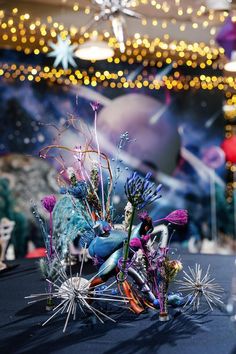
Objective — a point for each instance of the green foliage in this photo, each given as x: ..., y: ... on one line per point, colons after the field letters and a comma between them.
x: 6, y: 200
x: 51, y: 269
x: 225, y: 212
x: 7, y: 209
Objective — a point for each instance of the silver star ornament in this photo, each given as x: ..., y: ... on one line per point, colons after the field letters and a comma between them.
x: 63, y: 52
x: 116, y: 12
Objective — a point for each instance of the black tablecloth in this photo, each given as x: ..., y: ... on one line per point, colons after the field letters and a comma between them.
x: 21, y: 330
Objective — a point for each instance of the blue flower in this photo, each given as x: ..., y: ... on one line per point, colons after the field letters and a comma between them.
x: 79, y: 190
x: 63, y: 190
x: 141, y: 191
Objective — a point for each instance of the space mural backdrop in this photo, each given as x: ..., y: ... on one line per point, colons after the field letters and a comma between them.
x: 175, y: 135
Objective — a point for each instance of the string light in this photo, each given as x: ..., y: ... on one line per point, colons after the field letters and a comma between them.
x: 118, y: 79
x: 186, y: 12
x: 38, y: 34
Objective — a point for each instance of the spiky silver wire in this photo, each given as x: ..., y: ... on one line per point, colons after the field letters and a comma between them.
x: 76, y: 292
x: 200, y: 286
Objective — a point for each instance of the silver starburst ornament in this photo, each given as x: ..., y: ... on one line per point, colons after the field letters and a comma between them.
x: 63, y: 52
x: 114, y: 11
x: 198, y: 286
x: 76, y: 294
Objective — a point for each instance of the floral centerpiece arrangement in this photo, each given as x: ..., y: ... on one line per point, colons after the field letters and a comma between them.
x: 132, y: 259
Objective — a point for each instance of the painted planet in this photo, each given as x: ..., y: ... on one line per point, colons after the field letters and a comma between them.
x: 149, y: 122
x: 213, y: 157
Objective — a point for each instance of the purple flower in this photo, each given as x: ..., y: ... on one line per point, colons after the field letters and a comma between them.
x: 49, y: 202
x: 97, y: 261
x: 146, y: 238
x: 106, y: 227
x: 177, y: 217
x: 141, y: 191
x: 95, y: 106
x: 143, y: 215
x: 136, y: 243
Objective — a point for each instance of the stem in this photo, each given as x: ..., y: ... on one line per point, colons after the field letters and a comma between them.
x: 234, y: 206
x: 213, y: 207
x: 126, y: 246
x: 100, y: 165
x: 49, y: 304
x: 80, y: 164
x: 50, y: 232
x: 126, y: 253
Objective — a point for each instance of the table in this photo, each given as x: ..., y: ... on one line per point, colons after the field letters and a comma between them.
x: 21, y: 331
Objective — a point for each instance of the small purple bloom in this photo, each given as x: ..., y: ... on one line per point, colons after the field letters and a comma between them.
x: 49, y: 202
x: 135, y: 243
x: 43, y: 156
x: 95, y: 106
x: 163, y: 251
x: 143, y: 215
x: 146, y: 238
x: 106, y: 227
x: 97, y: 261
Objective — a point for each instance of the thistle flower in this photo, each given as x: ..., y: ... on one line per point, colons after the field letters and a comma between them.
x: 173, y: 267
x: 175, y: 264
x: 140, y: 191
x: 70, y: 172
x: 94, y: 178
x: 49, y: 202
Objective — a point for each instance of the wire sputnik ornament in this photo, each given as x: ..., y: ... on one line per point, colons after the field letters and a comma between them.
x: 75, y: 292
x: 200, y: 286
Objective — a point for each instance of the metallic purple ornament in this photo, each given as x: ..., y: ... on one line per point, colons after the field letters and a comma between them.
x: 226, y: 37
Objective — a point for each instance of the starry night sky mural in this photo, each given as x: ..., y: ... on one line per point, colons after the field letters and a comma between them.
x: 175, y: 134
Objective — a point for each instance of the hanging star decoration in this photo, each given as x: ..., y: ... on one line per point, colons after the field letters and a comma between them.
x: 115, y: 12
x: 200, y: 286
x: 63, y: 52
x: 75, y: 293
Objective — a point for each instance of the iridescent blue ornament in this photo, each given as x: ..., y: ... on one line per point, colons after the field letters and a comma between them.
x: 70, y: 220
